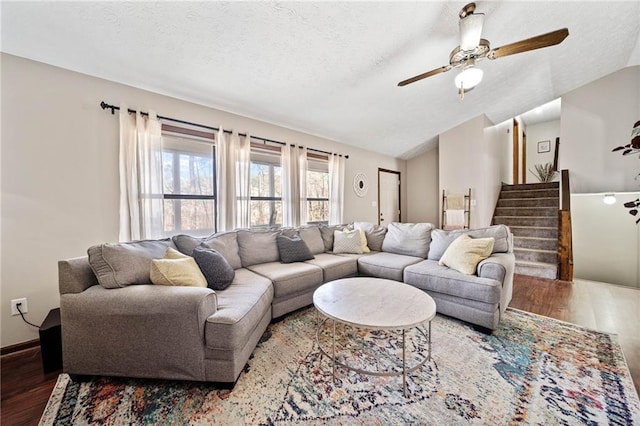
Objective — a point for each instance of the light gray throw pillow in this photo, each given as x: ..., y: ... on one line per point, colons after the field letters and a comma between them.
x: 121, y: 264
x: 347, y: 242
x: 410, y: 239
x: 257, y: 246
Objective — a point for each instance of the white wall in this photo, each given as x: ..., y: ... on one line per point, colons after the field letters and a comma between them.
x: 472, y: 155
x: 606, y: 241
x: 547, y: 131
x: 596, y: 118
x: 498, y: 157
x: 60, y: 174
x: 422, y: 189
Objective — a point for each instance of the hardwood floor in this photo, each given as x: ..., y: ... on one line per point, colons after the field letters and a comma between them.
x: 603, y: 307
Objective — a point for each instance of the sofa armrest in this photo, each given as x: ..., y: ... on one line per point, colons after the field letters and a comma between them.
x: 75, y: 275
x: 136, y: 331
x: 500, y: 267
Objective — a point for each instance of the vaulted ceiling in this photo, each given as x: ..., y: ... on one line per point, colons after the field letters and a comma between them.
x: 329, y: 68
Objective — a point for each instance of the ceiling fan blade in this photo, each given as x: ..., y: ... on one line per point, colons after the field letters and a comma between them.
x: 424, y: 75
x: 533, y: 43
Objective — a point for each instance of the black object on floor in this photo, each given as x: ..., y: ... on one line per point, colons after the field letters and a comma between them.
x: 51, y: 342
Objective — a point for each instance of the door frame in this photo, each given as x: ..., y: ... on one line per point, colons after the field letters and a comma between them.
x: 524, y: 157
x: 516, y: 152
x: 381, y: 170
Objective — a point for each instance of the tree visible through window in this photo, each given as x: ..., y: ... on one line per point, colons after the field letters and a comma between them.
x: 317, y: 192
x: 189, y: 185
x: 266, y: 194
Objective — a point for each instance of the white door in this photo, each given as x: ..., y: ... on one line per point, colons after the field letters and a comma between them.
x: 388, y: 196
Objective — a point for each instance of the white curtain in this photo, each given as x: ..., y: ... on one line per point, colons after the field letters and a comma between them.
x: 141, y: 186
x: 336, y: 189
x: 294, y: 185
x: 302, y: 174
x: 233, y: 158
x: 242, y: 153
x: 225, y: 182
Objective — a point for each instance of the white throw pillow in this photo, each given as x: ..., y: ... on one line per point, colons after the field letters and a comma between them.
x: 347, y: 242
x: 465, y: 253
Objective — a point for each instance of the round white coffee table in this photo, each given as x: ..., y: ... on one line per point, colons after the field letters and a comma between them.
x: 375, y: 304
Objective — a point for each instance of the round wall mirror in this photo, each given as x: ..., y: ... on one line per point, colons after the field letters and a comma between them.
x: 360, y: 184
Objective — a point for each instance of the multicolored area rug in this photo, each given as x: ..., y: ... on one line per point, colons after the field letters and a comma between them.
x: 532, y: 369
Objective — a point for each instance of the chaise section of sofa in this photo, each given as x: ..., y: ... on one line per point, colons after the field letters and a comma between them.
x: 136, y: 331
x: 480, y: 298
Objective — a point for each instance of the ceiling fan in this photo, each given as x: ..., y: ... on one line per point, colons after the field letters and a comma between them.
x: 473, y: 48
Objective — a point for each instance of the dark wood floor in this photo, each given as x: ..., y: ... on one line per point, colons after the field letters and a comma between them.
x: 604, y: 307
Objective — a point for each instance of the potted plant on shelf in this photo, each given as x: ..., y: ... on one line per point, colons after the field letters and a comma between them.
x: 544, y: 172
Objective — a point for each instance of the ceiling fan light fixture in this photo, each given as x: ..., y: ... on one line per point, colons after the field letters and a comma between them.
x: 468, y: 78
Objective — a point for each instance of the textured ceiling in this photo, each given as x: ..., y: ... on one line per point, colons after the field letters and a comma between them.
x: 329, y: 68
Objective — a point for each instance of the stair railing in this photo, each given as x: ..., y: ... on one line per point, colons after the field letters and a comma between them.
x: 565, y: 244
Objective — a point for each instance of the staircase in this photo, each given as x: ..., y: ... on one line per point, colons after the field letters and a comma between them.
x: 531, y: 212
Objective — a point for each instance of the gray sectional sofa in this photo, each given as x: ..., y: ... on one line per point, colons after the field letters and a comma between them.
x: 116, y: 323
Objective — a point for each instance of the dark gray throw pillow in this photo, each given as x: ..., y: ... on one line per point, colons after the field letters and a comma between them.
x: 214, y: 267
x: 293, y: 249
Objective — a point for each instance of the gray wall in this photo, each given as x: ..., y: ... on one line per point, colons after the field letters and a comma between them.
x: 423, y: 191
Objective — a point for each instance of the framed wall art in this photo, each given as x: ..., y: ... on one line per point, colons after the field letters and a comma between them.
x: 544, y: 146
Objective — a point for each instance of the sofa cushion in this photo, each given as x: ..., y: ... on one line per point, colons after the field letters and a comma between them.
x: 386, y: 265
x: 214, y: 266
x: 374, y: 234
x: 428, y: 275
x: 411, y: 239
x: 290, y: 279
x: 327, y: 235
x: 292, y: 249
x: 225, y: 243
x: 310, y: 235
x: 335, y: 267
x: 121, y: 264
x: 465, y: 253
x: 241, y: 306
x: 257, y: 246
x: 176, y: 269
x: 313, y: 238
x: 347, y: 242
x: 441, y: 239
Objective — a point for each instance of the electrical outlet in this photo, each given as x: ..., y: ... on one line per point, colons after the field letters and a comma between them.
x: 23, y: 306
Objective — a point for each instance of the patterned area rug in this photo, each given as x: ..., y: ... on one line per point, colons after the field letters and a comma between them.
x: 532, y: 369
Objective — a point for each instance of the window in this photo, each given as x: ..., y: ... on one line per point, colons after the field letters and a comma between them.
x: 265, y: 176
x: 188, y: 164
x: 317, y: 190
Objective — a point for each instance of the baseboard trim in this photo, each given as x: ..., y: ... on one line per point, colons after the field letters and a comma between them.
x: 19, y: 347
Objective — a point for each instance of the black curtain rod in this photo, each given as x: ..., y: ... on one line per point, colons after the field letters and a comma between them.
x: 113, y: 109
